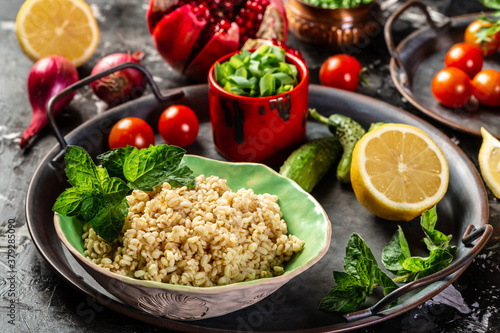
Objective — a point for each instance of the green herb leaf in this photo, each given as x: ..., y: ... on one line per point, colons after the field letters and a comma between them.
x: 434, y: 239
x: 495, y: 4
x: 80, y: 169
x: 386, y: 282
x: 438, y: 260
x: 113, y: 161
x: 108, y: 223
x: 347, y: 296
x: 147, y: 168
x: 396, y: 251
x: 68, y: 203
x: 356, y: 250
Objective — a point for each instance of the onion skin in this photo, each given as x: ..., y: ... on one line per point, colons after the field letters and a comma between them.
x: 48, y: 77
x: 121, y: 86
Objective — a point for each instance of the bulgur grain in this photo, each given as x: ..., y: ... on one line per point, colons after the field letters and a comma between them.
x: 204, y: 236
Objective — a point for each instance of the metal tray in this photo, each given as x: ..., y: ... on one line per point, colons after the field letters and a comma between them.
x: 293, y: 307
x: 420, y: 55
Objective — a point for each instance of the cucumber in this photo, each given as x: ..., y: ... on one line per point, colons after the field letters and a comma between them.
x: 311, y: 161
x: 349, y: 132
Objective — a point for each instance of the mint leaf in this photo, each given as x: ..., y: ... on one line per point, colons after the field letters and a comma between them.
x: 365, y: 269
x: 438, y: 259
x: 421, y: 267
x: 68, y: 203
x: 356, y: 250
x: 396, y: 251
x: 114, y: 189
x: 434, y: 239
x: 147, y: 168
x: 109, y: 221
x: 495, y: 4
x: 347, y: 296
x: 80, y: 169
x: 91, y: 203
x: 386, y: 282
x: 113, y: 161
x: 428, y: 219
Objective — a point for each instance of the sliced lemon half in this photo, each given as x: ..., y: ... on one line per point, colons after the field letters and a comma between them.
x: 63, y: 27
x: 398, y: 172
x: 489, y: 161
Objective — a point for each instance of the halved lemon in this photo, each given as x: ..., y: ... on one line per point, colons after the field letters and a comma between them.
x: 63, y: 27
x: 398, y: 172
x: 489, y: 161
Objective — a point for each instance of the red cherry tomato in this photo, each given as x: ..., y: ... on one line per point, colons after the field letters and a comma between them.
x: 131, y: 131
x: 340, y: 71
x: 178, y: 125
x: 452, y: 87
x: 466, y: 57
x: 470, y: 38
x: 486, y: 87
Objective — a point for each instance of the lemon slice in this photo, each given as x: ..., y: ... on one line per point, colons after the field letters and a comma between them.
x: 489, y: 161
x: 398, y: 172
x: 64, y: 27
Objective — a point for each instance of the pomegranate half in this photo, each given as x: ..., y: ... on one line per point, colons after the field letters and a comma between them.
x: 192, y: 35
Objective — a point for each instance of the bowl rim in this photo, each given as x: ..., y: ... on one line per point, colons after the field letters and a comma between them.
x: 299, y: 63
x: 281, y: 279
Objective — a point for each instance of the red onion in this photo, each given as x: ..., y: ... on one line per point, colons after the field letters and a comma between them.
x: 47, y: 77
x: 120, y: 86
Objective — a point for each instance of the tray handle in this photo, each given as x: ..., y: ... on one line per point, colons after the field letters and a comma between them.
x: 393, y: 18
x: 87, y: 80
x: 471, y: 234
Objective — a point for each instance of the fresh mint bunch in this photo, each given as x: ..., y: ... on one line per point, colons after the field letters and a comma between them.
x: 99, y: 193
x: 362, y: 273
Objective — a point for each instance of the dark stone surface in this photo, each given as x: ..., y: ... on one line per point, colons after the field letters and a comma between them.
x: 43, y: 302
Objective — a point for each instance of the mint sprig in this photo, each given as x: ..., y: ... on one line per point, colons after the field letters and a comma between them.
x: 99, y: 193
x: 362, y: 273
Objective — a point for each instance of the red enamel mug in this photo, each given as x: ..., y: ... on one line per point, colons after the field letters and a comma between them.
x: 259, y: 129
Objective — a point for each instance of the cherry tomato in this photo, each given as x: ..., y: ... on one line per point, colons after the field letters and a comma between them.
x: 470, y: 37
x: 452, y: 87
x: 131, y: 131
x: 466, y: 57
x: 486, y: 87
x: 340, y: 71
x: 178, y: 125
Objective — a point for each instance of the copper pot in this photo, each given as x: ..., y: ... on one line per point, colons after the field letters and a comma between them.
x: 334, y: 27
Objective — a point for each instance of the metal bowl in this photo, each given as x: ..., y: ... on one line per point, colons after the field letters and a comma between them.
x: 341, y: 27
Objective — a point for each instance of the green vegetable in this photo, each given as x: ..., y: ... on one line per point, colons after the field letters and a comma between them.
x: 362, y: 273
x: 263, y: 72
x: 349, y: 132
x: 311, y: 161
x: 334, y: 4
x: 485, y: 33
x: 396, y: 256
x: 99, y: 193
x: 495, y: 4
x: 361, y: 276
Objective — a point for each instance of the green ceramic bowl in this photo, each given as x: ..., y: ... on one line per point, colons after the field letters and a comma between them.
x: 305, y: 219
